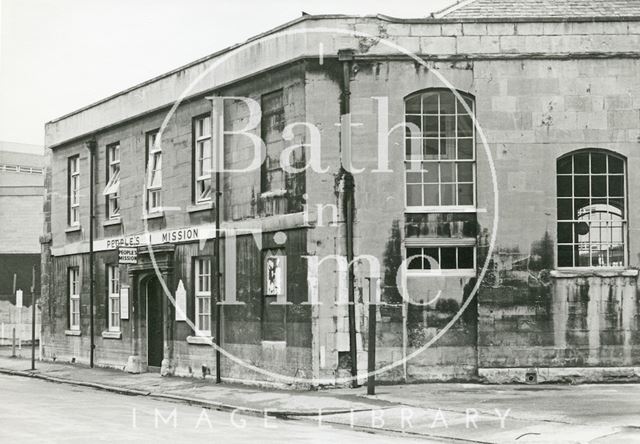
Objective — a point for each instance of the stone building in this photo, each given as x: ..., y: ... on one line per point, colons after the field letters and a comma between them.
x: 21, y: 198
x: 501, y: 217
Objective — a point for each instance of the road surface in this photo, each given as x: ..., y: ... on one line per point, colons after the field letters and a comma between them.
x: 33, y: 410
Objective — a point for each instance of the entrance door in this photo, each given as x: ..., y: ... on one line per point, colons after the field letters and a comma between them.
x: 155, y: 333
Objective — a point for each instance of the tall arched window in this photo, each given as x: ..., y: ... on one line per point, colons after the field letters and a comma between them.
x: 440, y: 152
x: 591, y: 209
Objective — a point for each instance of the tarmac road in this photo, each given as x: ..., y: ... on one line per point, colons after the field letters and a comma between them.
x: 32, y: 411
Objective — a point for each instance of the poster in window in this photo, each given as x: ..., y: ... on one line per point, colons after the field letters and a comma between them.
x: 124, y: 302
x: 274, y: 275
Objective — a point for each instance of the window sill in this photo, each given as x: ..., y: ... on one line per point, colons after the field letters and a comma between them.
x: 564, y: 273
x: 441, y: 273
x: 273, y: 193
x: 112, y: 222
x: 154, y: 215
x: 72, y: 333
x: 440, y: 241
x: 204, y: 206
x: 274, y: 343
x: 73, y: 229
x: 442, y: 209
x: 200, y: 340
x: 112, y: 334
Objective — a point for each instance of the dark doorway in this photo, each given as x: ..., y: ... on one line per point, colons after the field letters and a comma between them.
x: 155, y: 333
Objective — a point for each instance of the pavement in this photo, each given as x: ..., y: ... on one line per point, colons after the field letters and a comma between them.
x: 598, y: 413
x: 195, y: 391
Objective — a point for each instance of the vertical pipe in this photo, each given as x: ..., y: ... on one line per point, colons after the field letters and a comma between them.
x: 218, y: 277
x: 371, y: 355
x: 353, y: 351
x: 345, y: 56
x: 217, y: 155
x: 405, y: 338
x: 19, y: 324
x: 91, y: 145
x: 17, y: 310
x: 33, y: 318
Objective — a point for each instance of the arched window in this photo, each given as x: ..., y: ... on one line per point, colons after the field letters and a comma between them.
x: 591, y: 209
x: 439, y: 153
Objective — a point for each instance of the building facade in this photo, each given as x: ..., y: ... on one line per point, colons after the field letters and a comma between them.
x: 474, y: 166
x: 21, y: 199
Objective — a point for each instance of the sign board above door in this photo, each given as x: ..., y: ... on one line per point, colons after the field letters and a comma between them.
x: 128, y: 255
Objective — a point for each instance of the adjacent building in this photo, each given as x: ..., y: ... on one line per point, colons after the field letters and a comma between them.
x: 21, y: 199
x: 475, y: 166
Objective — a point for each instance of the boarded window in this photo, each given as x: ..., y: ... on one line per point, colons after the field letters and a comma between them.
x: 272, y: 123
x: 280, y: 191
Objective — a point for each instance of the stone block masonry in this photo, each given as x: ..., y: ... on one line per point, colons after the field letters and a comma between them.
x: 540, y: 91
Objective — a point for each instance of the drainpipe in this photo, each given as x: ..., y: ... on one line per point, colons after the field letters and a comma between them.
x: 345, y: 56
x: 218, y: 157
x: 91, y: 146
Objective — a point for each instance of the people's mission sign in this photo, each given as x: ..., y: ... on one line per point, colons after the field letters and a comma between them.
x: 128, y: 255
x: 188, y: 234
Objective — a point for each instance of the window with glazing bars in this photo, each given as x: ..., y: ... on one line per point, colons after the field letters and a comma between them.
x: 441, y: 258
x: 591, y: 210
x: 73, y: 197
x: 203, y: 296
x: 202, y: 160
x: 74, y: 298
x: 114, y: 297
x: 154, y: 173
x: 112, y: 189
x: 439, y: 150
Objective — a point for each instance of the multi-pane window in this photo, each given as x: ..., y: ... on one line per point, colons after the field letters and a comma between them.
x: 73, y: 197
x: 154, y: 173
x: 113, y: 282
x: 112, y: 189
x: 439, y: 154
x: 74, y: 298
x: 591, y: 210
x: 21, y: 169
x: 203, y: 296
x: 441, y: 258
x: 202, y: 164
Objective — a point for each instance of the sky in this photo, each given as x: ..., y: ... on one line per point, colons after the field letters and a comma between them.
x: 59, y: 55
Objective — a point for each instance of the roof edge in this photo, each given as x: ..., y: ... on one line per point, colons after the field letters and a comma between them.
x: 451, y: 8
x: 180, y: 68
x: 424, y: 20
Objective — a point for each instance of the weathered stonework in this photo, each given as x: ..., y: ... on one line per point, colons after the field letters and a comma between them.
x: 541, y: 90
